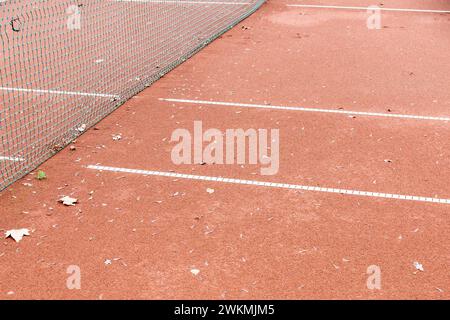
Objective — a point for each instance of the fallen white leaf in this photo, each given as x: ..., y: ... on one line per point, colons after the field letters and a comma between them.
x: 17, y: 234
x: 195, y: 271
x: 68, y: 201
x: 209, y: 190
x: 418, y: 266
x: 81, y: 128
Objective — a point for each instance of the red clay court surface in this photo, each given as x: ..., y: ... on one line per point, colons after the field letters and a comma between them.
x: 255, y: 241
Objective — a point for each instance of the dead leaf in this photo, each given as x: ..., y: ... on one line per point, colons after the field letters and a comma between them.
x: 418, y: 266
x: 82, y: 128
x: 210, y: 191
x: 17, y: 234
x: 68, y: 201
x: 195, y: 272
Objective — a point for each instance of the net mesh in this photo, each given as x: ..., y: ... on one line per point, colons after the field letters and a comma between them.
x: 66, y: 64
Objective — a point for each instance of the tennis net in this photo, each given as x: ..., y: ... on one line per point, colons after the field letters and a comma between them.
x: 66, y: 64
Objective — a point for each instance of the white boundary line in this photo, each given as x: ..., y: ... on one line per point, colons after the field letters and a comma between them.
x: 319, y: 110
x: 72, y: 93
x: 271, y: 184
x: 185, y: 2
x: 365, y: 8
x: 11, y: 159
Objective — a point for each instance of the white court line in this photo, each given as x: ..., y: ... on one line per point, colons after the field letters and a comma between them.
x: 365, y: 8
x: 347, y: 112
x: 11, y: 158
x: 185, y: 2
x: 72, y: 93
x: 271, y: 184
